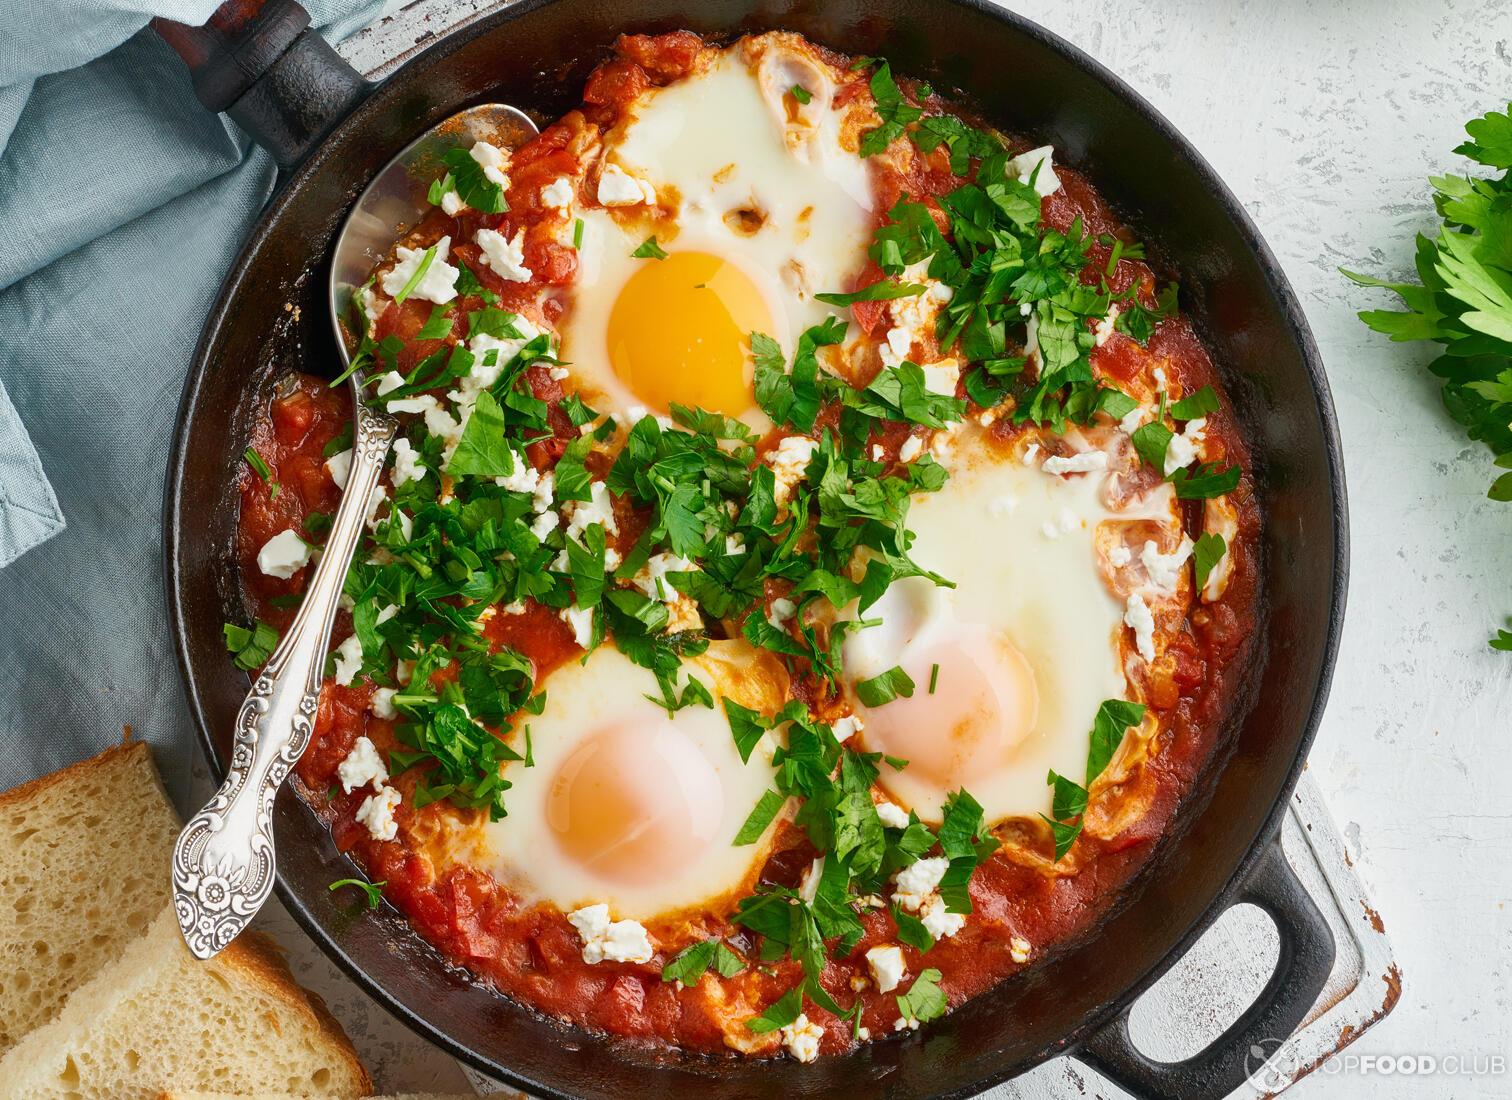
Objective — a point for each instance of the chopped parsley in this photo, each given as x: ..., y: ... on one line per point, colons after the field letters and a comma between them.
x: 649, y: 250
x: 261, y: 469
x: 250, y: 648
x: 373, y: 890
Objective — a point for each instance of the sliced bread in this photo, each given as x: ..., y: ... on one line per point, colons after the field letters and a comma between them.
x: 84, y: 869
x: 159, y: 1020
x: 292, y: 1096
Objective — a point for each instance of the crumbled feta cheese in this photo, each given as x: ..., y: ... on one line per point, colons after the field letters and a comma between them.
x: 599, y: 508
x: 505, y: 256
x: 544, y: 524
x: 899, y: 344
x: 802, y: 1038
x: 887, y: 967
x: 619, y: 188
x: 452, y: 204
x: 580, y: 619
x: 284, y: 554
x: 1023, y: 166
x: 362, y: 766
x: 382, y: 704
x: 403, y: 670
x: 486, y: 368
x: 558, y: 193
x: 941, y: 377
x: 376, y: 813
x: 407, y: 464
x: 389, y: 383
x: 938, y: 921
x: 916, y: 882
x: 545, y: 492
x: 494, y: 161
x: 909, y: 1023
x: 892, y: 815
x: 372, y: 306
x: 1018, y: 950
x: 864, y: 1034
x: 1132, y: 420
x: 1105, y: 328
x: 940, y: 292
x: 781, y: 610
x: 1120, y: 556
x: 650, y: 579
x: 1183, y: 448
x: 439, y: 284
x: 1159, y: 375
x: 524, y: 478
x: 1138, y: 618
x: 348, y: 660
x: 734, y: 545
x: 1083, y: 462
x: 1031, y: 453
x: 617, y: 941
x: 910, y: 449
x: 339, y: 466
x: 877, y: 453
x: 556, y: 374
x: 1031, y: 337
x: 846, y: 728
x: 683, y: 614
x: 789, y: 462
x: 416, y: 404
x: 1164, y: 570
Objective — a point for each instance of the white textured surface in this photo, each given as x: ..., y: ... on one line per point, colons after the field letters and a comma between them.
x: 1325, y: 117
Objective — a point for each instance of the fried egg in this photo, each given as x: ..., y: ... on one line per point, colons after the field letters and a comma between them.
x: 757, y: 206
x: 627, y: 805
x: 1028, y: 644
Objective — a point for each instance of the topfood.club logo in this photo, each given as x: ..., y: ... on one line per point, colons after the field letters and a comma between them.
x: 1270, y: 1065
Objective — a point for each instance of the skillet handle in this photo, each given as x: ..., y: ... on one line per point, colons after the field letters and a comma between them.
x: 258, y: 61
x: 1306, y: 959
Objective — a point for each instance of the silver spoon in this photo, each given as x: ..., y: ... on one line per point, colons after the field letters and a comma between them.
x: 223, y: 863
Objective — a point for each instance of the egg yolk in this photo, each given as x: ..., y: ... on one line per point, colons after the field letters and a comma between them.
x: 985, y: 702
x: 680, y: 330
x: 636, y: 803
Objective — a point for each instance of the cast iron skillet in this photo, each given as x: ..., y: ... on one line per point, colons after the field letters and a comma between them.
x: 331, y: 131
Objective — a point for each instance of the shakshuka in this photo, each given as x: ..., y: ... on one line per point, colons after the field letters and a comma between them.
x: 815, y: 561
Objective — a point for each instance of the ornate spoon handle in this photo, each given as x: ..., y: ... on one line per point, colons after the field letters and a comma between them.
x: 223, y: 861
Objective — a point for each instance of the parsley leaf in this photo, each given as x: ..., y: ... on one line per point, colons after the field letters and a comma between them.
x: 649, y: 250
x: 474, y: 187
x: 925, y: 1000
x: 1207, y: 552
x: 885, y: 687
x: 883, y: 290
x: 765, y: 811
x: 1206, y: 480
x: 250, y: 648
x: 1114, y: 717
x: 894, y: 110
x: 483, y: 450
x: 373, y: 890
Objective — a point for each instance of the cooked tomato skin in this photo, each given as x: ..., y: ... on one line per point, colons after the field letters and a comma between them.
x: 530, y: 952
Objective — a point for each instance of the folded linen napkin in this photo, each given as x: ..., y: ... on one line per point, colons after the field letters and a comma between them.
x: 122, y: 204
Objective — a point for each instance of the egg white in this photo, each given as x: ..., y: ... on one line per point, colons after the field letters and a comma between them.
x: 713, y: 144
x: 693, y: 747
x: 1023, y: 549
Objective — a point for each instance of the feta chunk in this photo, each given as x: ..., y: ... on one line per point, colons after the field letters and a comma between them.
x: 651, y: 578
x: 893, y: 816
x: 1164, y: 570
x: 544, y: 524
x: 1120, y: 556
x: 617, y: 941
x: 506, y: 257
x: 801, y: 1037
x: 362, y: 766
x: 619, y: 188
x: 339, y: 466
x: 348, y: 660
x: 1083, y: 462
x: 1137, y: 618
x: 1018, y: 950
x: 1106, y: 327
x: 557, y: 194
x: 914, y: 885
x: 495, y: 161
x: 382, y: 704
x: 887, y: 967
x: 407, y: 464
x: 1023, y: 166
x: 376, y: 814
x: 580, y: 619
x: 912, y: 446
x: 439, y: 284
x: 1183, y: 448
x: 599, y: 508
x: 284, y: 554
x: 789, y: 462
x: 938, y: 921
x: 941, y: 377
x: 846, y: 728
x: 452, y: 204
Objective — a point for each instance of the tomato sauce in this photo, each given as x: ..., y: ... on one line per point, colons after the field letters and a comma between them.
x: 530, y: 952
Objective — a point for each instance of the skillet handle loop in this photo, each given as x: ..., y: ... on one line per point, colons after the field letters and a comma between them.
x: 1240, y: 1054
x: 258, y: 62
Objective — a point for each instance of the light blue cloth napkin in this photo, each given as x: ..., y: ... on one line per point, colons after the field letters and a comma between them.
x: 122, y: 204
